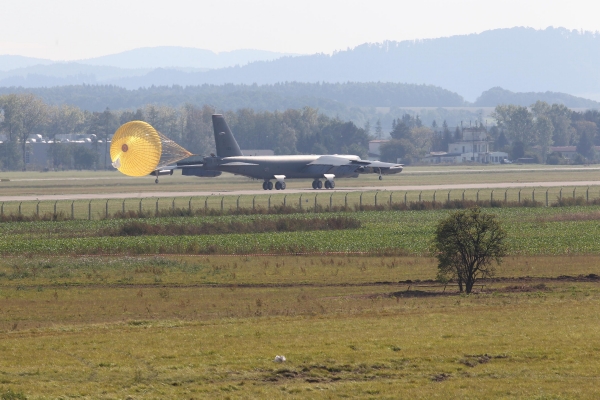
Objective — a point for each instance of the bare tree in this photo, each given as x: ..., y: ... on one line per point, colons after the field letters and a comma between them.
x: 467, y: 244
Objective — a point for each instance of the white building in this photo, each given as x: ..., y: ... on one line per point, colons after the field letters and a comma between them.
x: 473, y: 147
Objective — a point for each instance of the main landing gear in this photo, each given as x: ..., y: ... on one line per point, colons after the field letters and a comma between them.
x: 317, y: 184
x: 268, y: 185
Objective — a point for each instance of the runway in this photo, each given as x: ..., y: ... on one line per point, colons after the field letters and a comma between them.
x: 406, y: 188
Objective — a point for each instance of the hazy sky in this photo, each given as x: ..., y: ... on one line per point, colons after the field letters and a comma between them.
x: 75, y: 29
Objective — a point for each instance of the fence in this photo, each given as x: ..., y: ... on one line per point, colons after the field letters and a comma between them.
x: 310, y: 201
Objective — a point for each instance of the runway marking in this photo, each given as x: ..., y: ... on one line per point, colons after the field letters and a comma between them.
x: 411, y: 188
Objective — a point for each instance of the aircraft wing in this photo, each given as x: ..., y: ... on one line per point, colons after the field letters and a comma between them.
x: 332, y: 161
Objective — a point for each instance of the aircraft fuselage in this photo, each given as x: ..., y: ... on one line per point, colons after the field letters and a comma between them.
x: 293, y: 166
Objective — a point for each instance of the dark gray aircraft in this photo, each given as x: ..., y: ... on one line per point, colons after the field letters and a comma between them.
x: 229, y: 158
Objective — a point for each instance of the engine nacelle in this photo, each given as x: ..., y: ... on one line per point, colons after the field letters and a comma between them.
x: 162, y: 172
x: 199, y: 171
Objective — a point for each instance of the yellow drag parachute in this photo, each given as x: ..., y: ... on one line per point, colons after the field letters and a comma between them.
x: 137, y: 149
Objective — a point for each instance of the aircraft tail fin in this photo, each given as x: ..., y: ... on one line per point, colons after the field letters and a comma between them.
x: 226, y: 144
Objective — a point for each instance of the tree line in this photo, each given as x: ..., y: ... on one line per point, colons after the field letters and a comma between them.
x: 520, y: 131
x: 293, y: 131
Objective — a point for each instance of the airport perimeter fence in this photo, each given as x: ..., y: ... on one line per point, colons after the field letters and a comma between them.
x: 317, y: 201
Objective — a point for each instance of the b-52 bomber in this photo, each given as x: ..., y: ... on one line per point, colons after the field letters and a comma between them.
x: 322, y: 169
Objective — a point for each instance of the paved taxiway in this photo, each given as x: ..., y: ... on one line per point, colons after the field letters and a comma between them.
x: 340, y: 188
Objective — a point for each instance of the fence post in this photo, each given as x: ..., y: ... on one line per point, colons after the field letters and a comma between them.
x: 587, y: 195
x: 73, y: 210
x: 238, y: 203
x: 506, y: 196
x: 2, y: 209
x: 190, y: 205
x: 90, y: 210
x: 574, y: 192
x: 376, y: 193
x: 123, y: 205
x: 141, y: 205
x: 547, y: 197
x: 106, y: 214
x: 391, y: 194
x: 533, y: 196
x: 157, y: 199
x: 299, y: 202
x: 449, y: 196
x: 463, y: 195
x: 520, y: 196
x: 560, y: 195
x: 205, y: 204
x: 254, y: 198
x: 20, y: 208
x: 405, y: 198
x: 316, y: 202
x: 477, y: 197
x: 284, y: 201
x: 37, y: 208
x: 346, y: 201
x: 360, y: 200
x: 420, y: 193
x: 270, y: 202
x: 491, y: 197
x: 173, y: 204
x: 330, y: 202
x: 434, y: 195
x: 222, y: 198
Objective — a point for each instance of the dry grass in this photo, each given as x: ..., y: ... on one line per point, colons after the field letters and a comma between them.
x: 209, y: 327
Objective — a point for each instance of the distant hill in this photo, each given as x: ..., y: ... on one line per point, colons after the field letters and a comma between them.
x: 8, y: 62
x: 497, y: 95
x: 36, y: 72
x: 259, y: 97
x: 60, y: 74
x: 518, y: 59
x: 181, y: 58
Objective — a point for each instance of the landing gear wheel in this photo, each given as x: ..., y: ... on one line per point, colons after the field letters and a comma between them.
x: 282, y: 185
x: 156, y: 180
x: 319, y: 185
x: 270, y: 185
x: 265, y: 187
x: 327, y: 185
x: 314, y: 184
x: 331, y: 184
x: 278, y: 185
x: 380, y: 177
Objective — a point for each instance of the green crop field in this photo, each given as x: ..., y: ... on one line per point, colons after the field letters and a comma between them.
x: 86, y: 315
x: 531, y: 231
